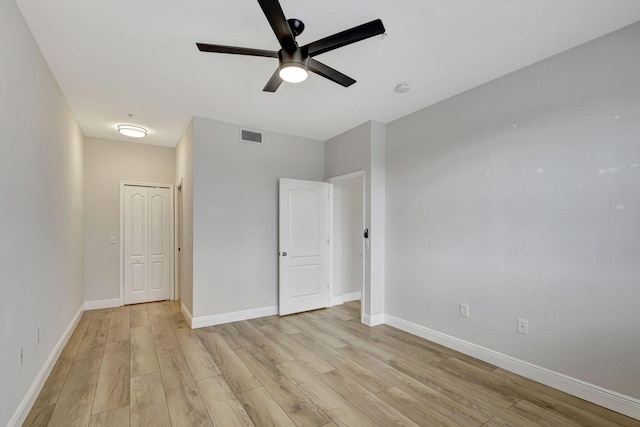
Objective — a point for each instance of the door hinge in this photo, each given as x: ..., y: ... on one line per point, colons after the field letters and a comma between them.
x: 327, y: 286
x: 327, y: 241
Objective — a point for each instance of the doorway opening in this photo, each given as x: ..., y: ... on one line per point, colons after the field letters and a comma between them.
x: 349, y: 249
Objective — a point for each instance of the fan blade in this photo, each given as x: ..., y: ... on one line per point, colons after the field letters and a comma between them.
x: 279, y: 24
x: 329, y: 73
x: 274, y: 82
x: 344, y: 38
x: 203, y: 47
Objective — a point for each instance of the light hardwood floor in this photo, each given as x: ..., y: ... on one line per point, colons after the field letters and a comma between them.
x: 141, y: 365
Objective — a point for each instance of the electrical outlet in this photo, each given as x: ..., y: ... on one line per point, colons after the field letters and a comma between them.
x: 523, y: 327
x: 38, y: 336
x: 464, y: 310
x: 240, y: 288
x: 20, y: 351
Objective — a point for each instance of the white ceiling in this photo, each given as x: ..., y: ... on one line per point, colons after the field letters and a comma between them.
x: 117, y: 57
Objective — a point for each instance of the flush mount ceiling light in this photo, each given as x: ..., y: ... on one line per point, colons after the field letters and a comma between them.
x: 132, y: 131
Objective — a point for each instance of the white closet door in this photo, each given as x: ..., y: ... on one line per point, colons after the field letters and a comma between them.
x: 159, y: 244
x: 136, y: 238
x: 147, y: 244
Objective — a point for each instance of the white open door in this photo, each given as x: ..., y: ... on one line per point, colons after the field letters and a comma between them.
x: 304, y: 245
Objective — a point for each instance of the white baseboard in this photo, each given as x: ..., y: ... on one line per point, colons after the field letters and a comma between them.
x: 187, y: 314
x: 21, y: 413
x: 356, y: 296
x: 103, y: 303
x: 235, y: 316
x: 375, y: 320
x: 600, y: 396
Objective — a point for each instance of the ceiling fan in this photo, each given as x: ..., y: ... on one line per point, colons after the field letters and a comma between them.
x: 296, y: 61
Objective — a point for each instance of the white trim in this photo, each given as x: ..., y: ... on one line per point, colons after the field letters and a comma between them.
x: 375, y: 320
x: 177, y: 215
x: 120, y: 243
x: 103, y: 303
x: 187, y: 314
x: 22, y: 411
x: 173, y: 243
x: 234, y: 316
x: 345, y: 176
x: 330, y: 243
x: 356, y: 296
x: 600, y: 396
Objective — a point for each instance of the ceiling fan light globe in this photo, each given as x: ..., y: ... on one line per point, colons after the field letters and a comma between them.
x: 293, y: 73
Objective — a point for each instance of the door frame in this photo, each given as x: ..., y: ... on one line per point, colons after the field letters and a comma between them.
x: 171, y: 233
x: 179, y: 240
x: 333, y: 180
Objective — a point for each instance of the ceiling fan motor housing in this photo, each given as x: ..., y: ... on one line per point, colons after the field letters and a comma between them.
x: 297, y: 57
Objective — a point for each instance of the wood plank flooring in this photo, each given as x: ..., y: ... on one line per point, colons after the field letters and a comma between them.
x: 141, y: 365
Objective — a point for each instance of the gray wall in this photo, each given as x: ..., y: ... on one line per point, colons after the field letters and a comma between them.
x: 521, y: 198
x: 106, y: 163
x: 184, y: 174
x: 235, y: 213
x: 41, y: 216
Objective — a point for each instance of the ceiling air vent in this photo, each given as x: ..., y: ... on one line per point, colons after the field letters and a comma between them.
x: 250, y: 136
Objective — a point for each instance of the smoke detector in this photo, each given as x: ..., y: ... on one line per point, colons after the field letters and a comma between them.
x: 403, y: 88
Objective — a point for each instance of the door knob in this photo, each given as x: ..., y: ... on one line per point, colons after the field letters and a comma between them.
x: 284, y: 254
